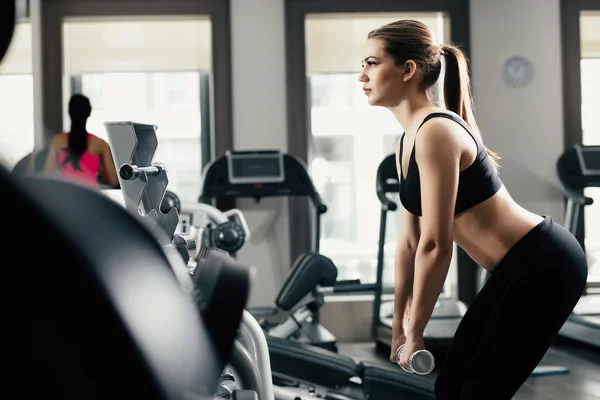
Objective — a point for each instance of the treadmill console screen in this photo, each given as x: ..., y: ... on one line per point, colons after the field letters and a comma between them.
x: 589, y: 159
x: 261, y: 166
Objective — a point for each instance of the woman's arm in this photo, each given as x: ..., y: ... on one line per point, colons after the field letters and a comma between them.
x: 404, y: 268
x: 438, y: 155
x: 51, y: 157
x: 108, y: 171
x: 404, y: 260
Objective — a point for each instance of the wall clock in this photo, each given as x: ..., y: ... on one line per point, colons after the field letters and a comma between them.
x: 518, y: 71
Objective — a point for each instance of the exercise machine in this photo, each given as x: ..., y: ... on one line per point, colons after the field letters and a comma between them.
x: 447, y: 313
x: 118, y: 277
x: 268, y: 173
x: 215, y: 281
x: 298, y: 364
x: 579, y: 168
x: 312, y: 277
x: 321, y: 371
x: 257, y: 174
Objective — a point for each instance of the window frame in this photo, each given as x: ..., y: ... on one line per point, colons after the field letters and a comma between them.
x: 301, y: 215
x: 218, y: 88
x: 570, y: 11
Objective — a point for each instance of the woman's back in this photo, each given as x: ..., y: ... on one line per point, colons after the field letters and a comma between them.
x: 78, y: 154
x: 88, y: 168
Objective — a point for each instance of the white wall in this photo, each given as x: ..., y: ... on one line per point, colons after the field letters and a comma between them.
x: 524, y: 125
x: 260, y: 122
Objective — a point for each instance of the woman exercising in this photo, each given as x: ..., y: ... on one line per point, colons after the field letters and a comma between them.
x: 451, y: 191
x: 81, y: 156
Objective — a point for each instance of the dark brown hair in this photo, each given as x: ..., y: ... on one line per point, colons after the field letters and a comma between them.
x: 79, y: 111
x: 407, y: 40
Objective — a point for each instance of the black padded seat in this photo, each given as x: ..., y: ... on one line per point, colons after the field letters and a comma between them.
x: 311, y: 363
x: 106, y: 314
x: 391, y: 382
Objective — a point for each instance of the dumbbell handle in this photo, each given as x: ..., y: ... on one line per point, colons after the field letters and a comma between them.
x: 129, y: 171
x: 426, y: 355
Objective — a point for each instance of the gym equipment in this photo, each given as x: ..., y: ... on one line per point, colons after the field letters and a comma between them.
x: 74, y: 352
x: 447, y: 313
x: 265, y: 173
x: 212, y: 228
x: 421, y: 362
x: 133, y: 147
x: 302, y: 295
x: 257, y: 174
x: 579, y: 168
x: 298, y: 364
x: 300, y: 370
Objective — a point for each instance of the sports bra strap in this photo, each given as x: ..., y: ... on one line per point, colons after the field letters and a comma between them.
x: 458, y: 121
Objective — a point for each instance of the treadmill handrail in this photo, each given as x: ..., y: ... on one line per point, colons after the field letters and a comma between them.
x: 318, y: 202
x: 576, y: 197
x: 386, y: 204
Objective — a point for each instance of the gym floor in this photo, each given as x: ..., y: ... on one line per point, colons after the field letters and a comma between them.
x: 581, y: 383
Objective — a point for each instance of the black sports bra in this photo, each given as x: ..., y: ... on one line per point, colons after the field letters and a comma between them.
x: 477, y: 183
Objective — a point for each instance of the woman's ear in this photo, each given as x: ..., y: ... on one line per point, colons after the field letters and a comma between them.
x: 409, y: 69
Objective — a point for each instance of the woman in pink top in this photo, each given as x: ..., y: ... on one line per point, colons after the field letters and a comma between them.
x: 79, y: 155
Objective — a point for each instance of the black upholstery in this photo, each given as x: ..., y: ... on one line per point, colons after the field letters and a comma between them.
x: 321, y: 367
x: 106, y: 314
x: 310, y: 363
x: 391, y: 382
x: 387, y: 182
x: 309, y: 271
x: 222, y: 292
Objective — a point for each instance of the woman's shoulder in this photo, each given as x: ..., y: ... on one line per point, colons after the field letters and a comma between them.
x: 96, y: 144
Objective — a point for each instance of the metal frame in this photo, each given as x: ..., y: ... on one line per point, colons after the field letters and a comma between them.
x: 298, y: 105
x: 570, y: 11
x: 54, y: 12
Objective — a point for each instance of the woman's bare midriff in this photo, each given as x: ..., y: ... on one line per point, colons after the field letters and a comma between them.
x: 487, y: 231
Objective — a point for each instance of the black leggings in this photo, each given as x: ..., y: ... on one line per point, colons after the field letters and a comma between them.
x: 515, y: 317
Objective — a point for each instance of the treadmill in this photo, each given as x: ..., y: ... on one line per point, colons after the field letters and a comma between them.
x: 579, y: 168
x: 447, y: 313
x: 269, y: 173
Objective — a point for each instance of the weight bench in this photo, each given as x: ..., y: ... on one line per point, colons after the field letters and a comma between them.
x: 334, y: 371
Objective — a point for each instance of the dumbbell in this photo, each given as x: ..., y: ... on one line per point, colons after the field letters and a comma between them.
x: 129, y: 171
x: 421, y: 361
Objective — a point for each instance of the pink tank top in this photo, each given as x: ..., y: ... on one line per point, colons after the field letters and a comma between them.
x: 88, y: 163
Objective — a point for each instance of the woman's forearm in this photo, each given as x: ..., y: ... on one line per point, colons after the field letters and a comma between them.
x: 404, y: 270
x: 431, y: 268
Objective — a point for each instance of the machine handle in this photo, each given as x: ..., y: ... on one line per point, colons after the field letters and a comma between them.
x: 129, y: 171
x: 348, y: 288
x: 577, y: 197
x: 316, y: 199
x: 386, y: 203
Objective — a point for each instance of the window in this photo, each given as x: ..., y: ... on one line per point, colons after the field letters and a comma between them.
x: 127, y: 79
x: 16, y: 98
x: 16, y: 114
x: 169, y: 100
x: 590, y: 104
x: 349, y: 140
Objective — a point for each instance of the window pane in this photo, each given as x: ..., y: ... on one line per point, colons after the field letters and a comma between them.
x: 349, y: 140
x: 16, y: 114
x: 169, y: 100
x: 590, y: 104
x: 16, y: 98
x: 145, y: 71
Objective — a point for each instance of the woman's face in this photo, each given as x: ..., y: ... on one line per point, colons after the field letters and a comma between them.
x: 382, y: 79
